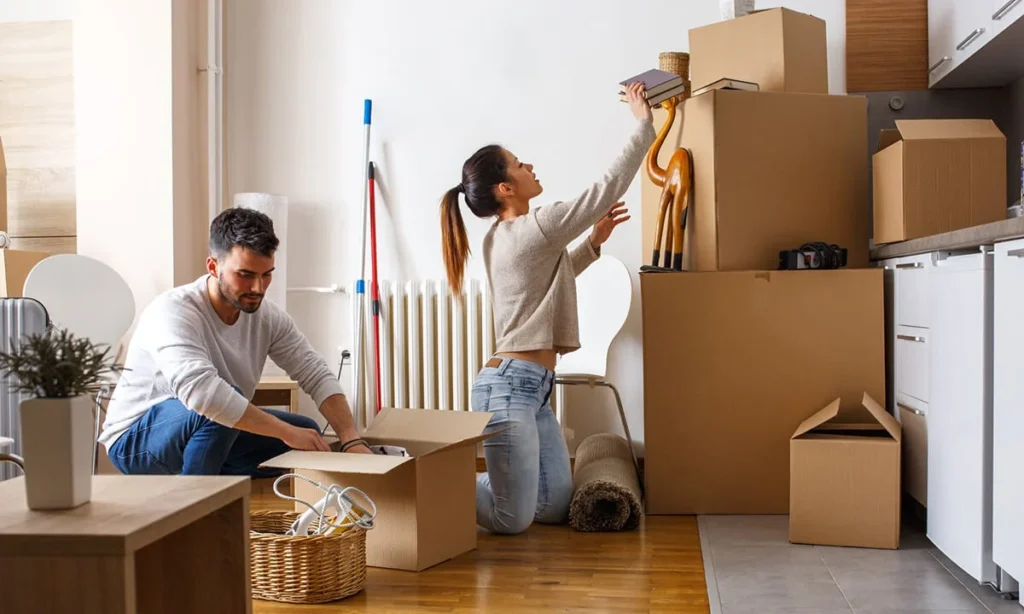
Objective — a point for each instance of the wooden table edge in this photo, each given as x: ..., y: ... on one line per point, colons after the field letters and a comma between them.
x: 119, y: 545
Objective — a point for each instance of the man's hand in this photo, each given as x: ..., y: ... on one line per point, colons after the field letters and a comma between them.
x: 299, y: 438
x: 360, y: 449
x: 339, y: 416
x: 603, y: 228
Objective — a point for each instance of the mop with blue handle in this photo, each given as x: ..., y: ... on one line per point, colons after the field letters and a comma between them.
x: 359, y: 361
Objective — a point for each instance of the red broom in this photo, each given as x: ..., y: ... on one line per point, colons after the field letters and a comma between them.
x: 374, y: 289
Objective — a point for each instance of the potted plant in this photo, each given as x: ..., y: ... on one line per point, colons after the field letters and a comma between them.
x: 63, y: 374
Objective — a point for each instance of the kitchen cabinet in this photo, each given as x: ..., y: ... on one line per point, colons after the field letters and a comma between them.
x: 953, y: 329
x: 960, y: 412
x: 975, y: 43
x: 908, y: 368
x: 1008, y: 409
x: 1006, y: 13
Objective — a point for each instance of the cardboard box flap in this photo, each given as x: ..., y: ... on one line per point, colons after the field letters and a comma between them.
x: 427, y: 425
x: 823, y: 416
x: 929, y: 129
x: 338, y: 462
x: 3, y: 162
x: 883, y: 417
x: 887, y: 137
x: 881, y: 420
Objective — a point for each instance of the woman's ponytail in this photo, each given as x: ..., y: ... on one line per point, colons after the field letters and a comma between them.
x: 454, y: 241
x: 484, y: 170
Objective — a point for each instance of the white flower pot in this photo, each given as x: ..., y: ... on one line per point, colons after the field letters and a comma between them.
x: 56, y: 443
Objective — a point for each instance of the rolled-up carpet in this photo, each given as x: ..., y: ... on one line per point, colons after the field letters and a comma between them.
x: 606, y: 491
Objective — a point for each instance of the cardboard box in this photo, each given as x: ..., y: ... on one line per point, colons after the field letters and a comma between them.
x: 771, y: 172
x: 779, y: 49
x: 426, y: 503
x: 15, y: 265
x: 732, y: 363
x: 932, y: 176
x: 845, y: 479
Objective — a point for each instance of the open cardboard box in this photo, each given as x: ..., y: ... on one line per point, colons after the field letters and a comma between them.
x: 932, y: 176
x: 426, y: 503
x: 845, y: 478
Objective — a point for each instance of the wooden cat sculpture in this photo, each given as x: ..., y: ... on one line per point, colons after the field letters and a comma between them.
x: 676, y: 183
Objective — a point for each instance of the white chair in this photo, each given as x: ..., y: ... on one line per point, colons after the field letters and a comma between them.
x: 603, y: 295
x: 89, y: 299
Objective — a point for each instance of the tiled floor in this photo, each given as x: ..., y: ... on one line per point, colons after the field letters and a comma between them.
x: 751, y: 567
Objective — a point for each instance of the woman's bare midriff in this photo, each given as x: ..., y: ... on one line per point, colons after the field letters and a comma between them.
x: 545, y: 358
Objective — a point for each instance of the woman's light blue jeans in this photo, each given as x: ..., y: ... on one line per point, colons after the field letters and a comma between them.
x: 528, y: 475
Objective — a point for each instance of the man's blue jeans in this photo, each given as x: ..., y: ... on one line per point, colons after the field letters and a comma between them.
x: 171, y: 439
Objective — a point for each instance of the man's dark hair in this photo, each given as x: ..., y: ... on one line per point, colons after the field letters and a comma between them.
x: 242, y: 227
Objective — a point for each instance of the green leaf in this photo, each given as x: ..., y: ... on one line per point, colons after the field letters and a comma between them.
x: 57, y: 364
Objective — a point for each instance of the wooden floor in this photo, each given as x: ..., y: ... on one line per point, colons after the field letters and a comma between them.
x: 548, y: 569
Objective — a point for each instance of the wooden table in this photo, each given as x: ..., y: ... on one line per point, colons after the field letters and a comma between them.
x: 147, y: 544
x: 274, y: 390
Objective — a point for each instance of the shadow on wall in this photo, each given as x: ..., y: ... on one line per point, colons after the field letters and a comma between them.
x: 386, y: 233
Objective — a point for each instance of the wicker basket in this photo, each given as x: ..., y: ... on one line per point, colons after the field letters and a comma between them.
x: 675, y: 62
x: 296, y: 569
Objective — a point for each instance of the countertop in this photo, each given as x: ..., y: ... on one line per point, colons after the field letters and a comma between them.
x: 1003, y: 230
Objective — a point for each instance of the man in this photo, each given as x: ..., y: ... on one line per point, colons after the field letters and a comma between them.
x: 182, y: 403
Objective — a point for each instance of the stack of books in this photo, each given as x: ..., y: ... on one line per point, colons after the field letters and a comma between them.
x: 659, y: 86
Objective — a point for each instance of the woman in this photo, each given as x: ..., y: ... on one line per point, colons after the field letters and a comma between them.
x: 532, y: 279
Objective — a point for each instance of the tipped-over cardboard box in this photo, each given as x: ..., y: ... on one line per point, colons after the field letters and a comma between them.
x: 779, y: 49
x: 733, y: 363
x: 845, y: 479
x: 426, y: 503
x: 771, y: 173
x: 932, y: 176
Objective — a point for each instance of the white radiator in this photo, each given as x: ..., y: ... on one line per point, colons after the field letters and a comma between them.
x: 431, y: 345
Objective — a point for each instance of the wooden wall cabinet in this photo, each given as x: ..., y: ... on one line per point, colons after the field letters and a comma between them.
x: 886, y: 45
x: 37, y: 125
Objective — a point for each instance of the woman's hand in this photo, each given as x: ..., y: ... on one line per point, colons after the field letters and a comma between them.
x: 638, y: 102
x: 603, y: 229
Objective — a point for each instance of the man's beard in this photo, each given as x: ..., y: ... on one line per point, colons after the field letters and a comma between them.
x: 237, y: 303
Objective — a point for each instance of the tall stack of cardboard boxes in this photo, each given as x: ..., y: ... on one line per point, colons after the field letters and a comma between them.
x: 737, y: 354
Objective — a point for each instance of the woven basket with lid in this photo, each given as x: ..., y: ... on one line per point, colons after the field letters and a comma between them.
x: 677, y: 63
x: 303, y: 569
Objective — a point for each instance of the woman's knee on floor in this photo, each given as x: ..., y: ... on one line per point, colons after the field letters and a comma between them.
x: 512, y: 522
x: 508, y: 514
x: 555, y: 509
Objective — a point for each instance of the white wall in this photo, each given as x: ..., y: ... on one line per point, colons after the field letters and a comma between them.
x: 447, y: 76
x: 135, y: 149
x: 35, y: 10
x: 123, y: 164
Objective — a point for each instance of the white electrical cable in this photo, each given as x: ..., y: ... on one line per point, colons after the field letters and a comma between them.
x: 336, y: 498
